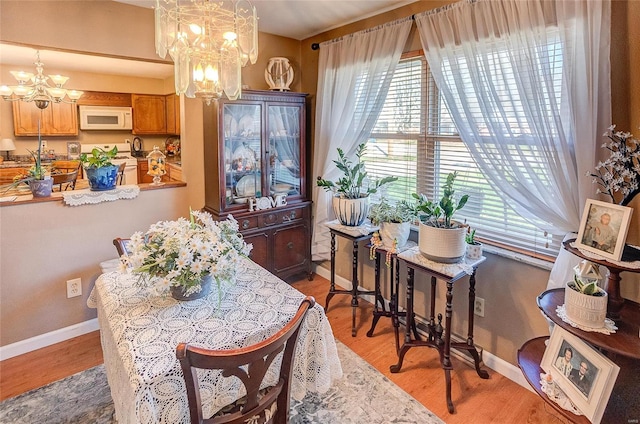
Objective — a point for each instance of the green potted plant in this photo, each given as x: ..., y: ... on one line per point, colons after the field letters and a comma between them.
x: 38, y: 177
x: 474, y: 247
x: 584, y: 301
x: 101, y: 172
x: 351, y: 191
x: 394, y: 221
x: 441, y: 238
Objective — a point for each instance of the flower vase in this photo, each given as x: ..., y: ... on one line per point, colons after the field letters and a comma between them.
x: 178, y: 292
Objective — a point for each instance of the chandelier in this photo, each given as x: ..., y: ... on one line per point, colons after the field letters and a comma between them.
x: 36, y: 88
x: 209, y: 42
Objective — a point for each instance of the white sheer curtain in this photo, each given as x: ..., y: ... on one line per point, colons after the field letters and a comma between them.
x: 354, y: 73
x: 473, y: 47
x: 528, y: 86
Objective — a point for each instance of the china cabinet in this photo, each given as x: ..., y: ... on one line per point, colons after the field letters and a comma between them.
x: 255, y: 156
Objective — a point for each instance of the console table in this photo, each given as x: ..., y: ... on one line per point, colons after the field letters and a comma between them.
x: 355, y: 235
x: 440, y: 337
x: 622, y: 347
x: 394, y: 283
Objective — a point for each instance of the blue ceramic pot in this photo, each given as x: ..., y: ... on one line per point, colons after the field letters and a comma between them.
x: 101, y: 179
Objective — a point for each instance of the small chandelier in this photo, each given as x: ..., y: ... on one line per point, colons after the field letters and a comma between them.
x: 36, y: 88
x: 209, y: 42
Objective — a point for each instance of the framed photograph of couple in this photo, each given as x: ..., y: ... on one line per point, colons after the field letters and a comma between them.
x: 603, y: 229
x: 585, y: 375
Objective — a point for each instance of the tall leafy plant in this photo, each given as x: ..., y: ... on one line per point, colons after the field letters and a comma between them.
x: 351, y: 184
x: 440, y: 214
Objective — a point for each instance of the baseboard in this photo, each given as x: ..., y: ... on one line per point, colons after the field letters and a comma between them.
x: 48, y: 339
x: 490, y: 360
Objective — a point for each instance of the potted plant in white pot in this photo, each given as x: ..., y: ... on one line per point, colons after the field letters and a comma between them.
x: 441, y: 239
x: 474, y: 247
x: 585, y: 302
x: 101, y: 173
x: 350, y: 196
x: 394, y: 221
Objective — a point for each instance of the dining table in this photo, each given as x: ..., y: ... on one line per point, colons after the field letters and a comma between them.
x: 140, y: 329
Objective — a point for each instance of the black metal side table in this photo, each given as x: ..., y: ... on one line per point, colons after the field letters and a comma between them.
x: 379, y: 309
x: 439, y: 336
x: 355, y: 235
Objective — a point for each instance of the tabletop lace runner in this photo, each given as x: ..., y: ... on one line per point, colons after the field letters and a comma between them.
x: 254, y: 308
x: 592, y: 255
x: 362, y: 230
x: 86, y: 196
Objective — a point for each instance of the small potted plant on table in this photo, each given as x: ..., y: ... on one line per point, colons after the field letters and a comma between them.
x: 394, y: 221
x: 474, y: 247
x: 584, y: 301
x: 351, y: 199
x: 442, y: 239
x: 101, y: 173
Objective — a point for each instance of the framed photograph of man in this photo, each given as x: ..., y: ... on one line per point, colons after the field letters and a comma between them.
x: 603, y: 229
x: 585, y: 375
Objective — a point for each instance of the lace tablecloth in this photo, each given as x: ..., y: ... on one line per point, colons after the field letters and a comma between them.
x: 140, y: 332
x: 465, y: 265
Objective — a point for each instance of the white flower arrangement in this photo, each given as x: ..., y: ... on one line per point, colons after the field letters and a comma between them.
x: 182, y: 252
x: 621, y: 171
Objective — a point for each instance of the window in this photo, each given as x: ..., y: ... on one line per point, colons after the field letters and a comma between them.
x: 416, y: 140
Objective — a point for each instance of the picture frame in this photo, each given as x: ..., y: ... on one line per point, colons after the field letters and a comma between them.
x: 590, y: 394
x: 603, y: 229
x: 73, y: 150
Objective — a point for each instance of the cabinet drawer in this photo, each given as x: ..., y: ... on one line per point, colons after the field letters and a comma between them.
x: 247, y: 223
x: 292, y: 247
x: 282, y: 217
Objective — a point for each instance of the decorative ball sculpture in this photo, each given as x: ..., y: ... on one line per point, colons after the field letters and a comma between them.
x: 279, y: 74
x: 157, y: 165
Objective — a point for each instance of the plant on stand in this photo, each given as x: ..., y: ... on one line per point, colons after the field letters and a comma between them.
x: 101, y: 172
x: 442, y: 239
x: 474, y: 247
x: 585, y: 302
x: 351, y: 191
x: 395, y: 225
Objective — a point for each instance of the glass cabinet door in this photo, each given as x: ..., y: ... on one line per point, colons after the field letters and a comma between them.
x: 242, y: 131
x: 285, y: 162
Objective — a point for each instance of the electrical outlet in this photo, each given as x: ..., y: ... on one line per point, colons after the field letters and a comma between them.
x: 74, y: 287
x: 44, y: 145
x: 478, y: 308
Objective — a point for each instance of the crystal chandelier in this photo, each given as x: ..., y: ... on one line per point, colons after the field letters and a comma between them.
x: 36, y: 88
x: 209, y: 42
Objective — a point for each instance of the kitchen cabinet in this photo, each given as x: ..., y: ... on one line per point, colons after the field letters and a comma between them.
x: 149, y: 114
x: 57, y: 119
x: 156, y: 115
x: 255, y: 153
x: 172, y: 113
x: 174, y: 172
x: 102, y: 98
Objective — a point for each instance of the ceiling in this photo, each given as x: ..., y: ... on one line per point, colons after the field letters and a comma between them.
x: 297, y: 19
x: 300, y: 19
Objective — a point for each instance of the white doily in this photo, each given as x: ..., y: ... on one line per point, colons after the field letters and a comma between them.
x: 592, y: 255
x: 466, y: 265
x: 553, y: 392
x: 86, y: 196
x: 361, y: 230
x: 609, y: 325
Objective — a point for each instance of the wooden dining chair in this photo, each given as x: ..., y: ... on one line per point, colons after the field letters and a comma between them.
x: 120, y: 174
x: 249, y: 364
x: 121, y: 246
x: 66, y: 180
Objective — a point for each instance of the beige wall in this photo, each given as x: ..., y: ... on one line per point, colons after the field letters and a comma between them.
x: 508, y: 287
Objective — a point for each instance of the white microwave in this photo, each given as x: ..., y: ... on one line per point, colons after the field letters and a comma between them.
x: 105, y: 118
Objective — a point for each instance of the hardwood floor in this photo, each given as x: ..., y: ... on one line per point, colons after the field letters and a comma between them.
x: 496, y: 400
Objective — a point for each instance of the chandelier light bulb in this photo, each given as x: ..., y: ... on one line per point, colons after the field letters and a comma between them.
x: 198, y: 73
x: 211, y: 74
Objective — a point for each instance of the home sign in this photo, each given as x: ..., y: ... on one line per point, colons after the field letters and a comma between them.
x: 256, y: 204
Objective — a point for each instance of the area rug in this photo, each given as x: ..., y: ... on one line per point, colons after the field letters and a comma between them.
x: 363, y: 395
